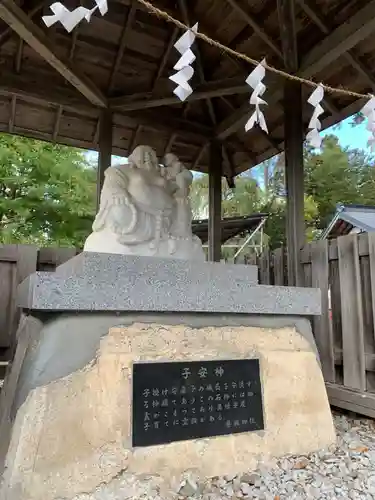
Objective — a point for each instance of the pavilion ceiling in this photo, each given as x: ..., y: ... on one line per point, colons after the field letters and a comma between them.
x: 53, y: 85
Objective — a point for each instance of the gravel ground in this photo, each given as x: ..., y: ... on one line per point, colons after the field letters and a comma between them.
x: 347, y: 471
x: 343, y: 472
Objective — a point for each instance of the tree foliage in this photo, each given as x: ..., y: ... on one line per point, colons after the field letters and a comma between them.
x: 333, y: 176
x: 47, y: 193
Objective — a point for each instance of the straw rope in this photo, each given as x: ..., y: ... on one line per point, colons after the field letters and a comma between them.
x: 167, y: 17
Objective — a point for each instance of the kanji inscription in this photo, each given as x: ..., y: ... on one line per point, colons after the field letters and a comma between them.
x: 187, y: 400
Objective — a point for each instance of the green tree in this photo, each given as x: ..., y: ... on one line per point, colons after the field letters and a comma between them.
x: 47, y: 193
x: 336, y: 175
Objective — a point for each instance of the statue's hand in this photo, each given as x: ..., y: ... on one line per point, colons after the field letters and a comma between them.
x: 122, y: 219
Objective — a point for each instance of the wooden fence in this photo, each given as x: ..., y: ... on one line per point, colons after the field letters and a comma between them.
x: 16, y: 263
x: 344, y: 269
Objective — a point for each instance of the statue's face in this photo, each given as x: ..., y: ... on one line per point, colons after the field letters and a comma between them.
x: 144, y: 157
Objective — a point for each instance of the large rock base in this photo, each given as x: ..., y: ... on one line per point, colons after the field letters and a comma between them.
x: 71, y: 438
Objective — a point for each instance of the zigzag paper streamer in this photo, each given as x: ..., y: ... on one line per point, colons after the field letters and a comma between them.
x: 368, y: 111
x: 313, y: 137
x: 70, y: 19
x: 254, y: 80
x: 183, y: 66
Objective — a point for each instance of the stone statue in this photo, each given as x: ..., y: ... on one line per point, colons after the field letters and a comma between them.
x: 145, y: 209
x: 177, y: 173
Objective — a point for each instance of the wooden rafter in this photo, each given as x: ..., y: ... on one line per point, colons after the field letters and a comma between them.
x: 199, y: 155
x: 158, y: 75
x: 331, y: 48
x: 95, y: 139
x: 123, y: 41
x: 250, y: 20
x: 134, y: 138
x: 7, y: 33
x: 169, y: 121
x: 207, y: 90
x: 12, y: 114
x: 19, y: 53
x: 56, y: 126
x: 165, y: 57
x: 75, y: 34
x: 202, y: 80
x: 342, y: 39
x: 34, y: 36
x: 312, y: 12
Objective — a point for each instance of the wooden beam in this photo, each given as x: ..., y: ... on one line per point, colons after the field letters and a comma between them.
x: 286, y: 13
x: 12, y: 114
x: 34, y: 36
x: 214, y: 200
x: 342, y: 39
x: 56, y: 126
x: 105, y: 149
x: 95, y: 138
x: 312, y: 12
x: 201, y: 76
x: 197, y: 159
x: 331, y: 48
x: 208, y: 90
x: 158, y: 75
x: 32, y: 87
x: 133, y: 141
x: 293, y: 133
x: 249, y: 19
x: 19, y: 54
x: 294, y: 179
x: 7, y: 33
x: 123, y: 41
x: 164, y: 60
x: 169, y: 121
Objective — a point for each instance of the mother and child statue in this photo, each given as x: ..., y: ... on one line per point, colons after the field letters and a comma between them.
x: 145, y: 209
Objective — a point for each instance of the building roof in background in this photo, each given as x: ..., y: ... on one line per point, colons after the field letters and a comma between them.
x: 348, y: 217
x: 230, y: 227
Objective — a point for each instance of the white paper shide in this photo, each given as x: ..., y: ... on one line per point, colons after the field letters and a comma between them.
x: 183, y: 66
x: 71, y: 18
x: 368, y: 112
x: 313, y: 137
x: 254, y: 80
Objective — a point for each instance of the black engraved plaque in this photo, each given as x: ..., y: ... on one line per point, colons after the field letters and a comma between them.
x: 187, y: 400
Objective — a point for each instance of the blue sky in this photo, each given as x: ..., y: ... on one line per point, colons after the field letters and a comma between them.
x: 351, y: 137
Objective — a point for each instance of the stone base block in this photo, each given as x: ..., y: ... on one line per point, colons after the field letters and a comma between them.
x: 71, y: 438
x: 124, y: 283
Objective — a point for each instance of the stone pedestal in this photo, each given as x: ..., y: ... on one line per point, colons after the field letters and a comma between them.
x: 67, y: 404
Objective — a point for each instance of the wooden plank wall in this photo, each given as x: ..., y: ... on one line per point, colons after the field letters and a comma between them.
x: 344, y: 270
x: 16, y: 263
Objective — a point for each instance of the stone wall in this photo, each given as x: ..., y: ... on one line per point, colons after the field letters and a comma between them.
x: 71, y: 438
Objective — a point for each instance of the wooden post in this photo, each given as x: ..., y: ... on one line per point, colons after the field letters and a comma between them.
x: 105, y: 149
x: 293, y: 133
x: 294, y: 178
x: 214, y: 201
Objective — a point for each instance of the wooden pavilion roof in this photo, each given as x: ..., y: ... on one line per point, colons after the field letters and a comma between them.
x: 54, y: 84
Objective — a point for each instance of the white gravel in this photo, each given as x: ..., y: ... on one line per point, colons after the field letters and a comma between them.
x: 343, y: 472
